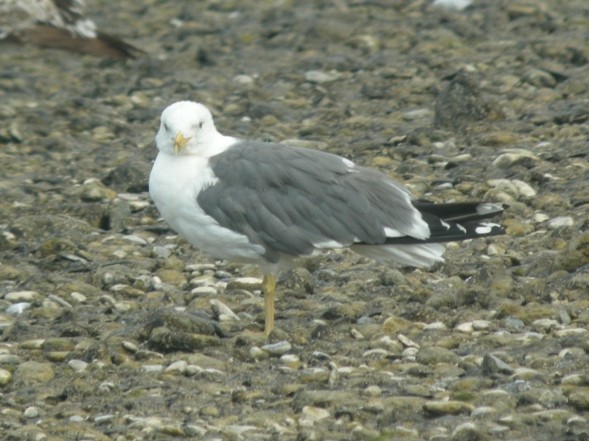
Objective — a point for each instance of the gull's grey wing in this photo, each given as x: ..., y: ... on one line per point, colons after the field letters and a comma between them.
x: 293, y: 200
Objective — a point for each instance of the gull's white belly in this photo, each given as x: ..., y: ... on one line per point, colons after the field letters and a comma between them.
x: 174, y: 185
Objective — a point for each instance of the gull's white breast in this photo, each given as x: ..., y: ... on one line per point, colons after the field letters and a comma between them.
x: 174, y: 185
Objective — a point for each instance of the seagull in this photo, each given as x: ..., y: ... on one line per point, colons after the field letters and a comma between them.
x: 59, y: 24
x: 268, y: 203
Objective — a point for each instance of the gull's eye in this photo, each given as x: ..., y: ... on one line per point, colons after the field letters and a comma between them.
x: 166, y: 128
x: 197, y: 125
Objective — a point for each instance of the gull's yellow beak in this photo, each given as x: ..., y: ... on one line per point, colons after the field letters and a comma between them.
x: 180, y: 142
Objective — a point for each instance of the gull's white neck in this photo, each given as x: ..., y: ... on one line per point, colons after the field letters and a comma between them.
x: 215, y: 144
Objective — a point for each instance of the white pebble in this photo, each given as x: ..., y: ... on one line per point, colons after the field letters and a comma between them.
x: 77, y: 365
x: 317, y: 76
x: 22, y: 296
x: 177, y: 366
x: 31, y: 412
x: 466, y: 327
x: 277, y: 348
x: 18, y: 308
x: 561, y: 221
x: 480, y: 325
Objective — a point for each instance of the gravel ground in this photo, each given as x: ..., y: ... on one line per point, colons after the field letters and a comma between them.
x: 113, y: 328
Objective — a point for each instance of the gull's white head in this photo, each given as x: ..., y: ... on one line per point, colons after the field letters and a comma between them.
x: 186, y: 128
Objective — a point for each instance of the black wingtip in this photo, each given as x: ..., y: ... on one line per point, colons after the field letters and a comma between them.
x: 456, y: 221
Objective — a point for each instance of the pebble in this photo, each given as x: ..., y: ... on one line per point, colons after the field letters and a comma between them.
x: 244, y: 80
x: 18, y: 308
x: 481, y: 325
x: 247, y: 283
x: 320, y: 77
x: 311, y: 415
x: 204, y: 291
x: 78, y: 365
x: 258, y: 353
x: 561, y: 221
x: 152, y: 368
x: 78, y: 297
x: 545, y: 324
x: 278, y: 348
x: 31, y: 412
x: 417, y: 114
x: 22, y: 296
x: 510, y: 157
x: 177, y: 367
x: 373, y: 391
x: 436, y: 326
x: 494, y: 365
x: 441, y: 408
x: 222, y: 311
x: 5, y: 377
x: 467, y: 327
x: 435, y: 354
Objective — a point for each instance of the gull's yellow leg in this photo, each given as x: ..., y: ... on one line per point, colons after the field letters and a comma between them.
x: 269, y: 289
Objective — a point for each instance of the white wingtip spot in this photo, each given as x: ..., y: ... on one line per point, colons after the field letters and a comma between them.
x: 461, y: 228
x: 489, y: 208
x: 446, y: 225
x: 486, y: 228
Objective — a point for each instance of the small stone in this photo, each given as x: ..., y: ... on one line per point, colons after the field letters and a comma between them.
x: 177, y: 367
x: 435, y: 354
x: 78, y: 365
x: 407, y: 342
x: 31, y: 412
x: 78, y: 297
x: 204, y: 291
x: 94, y: 191
x: 436, y: 326
x: 235, y: 431
x: 315, y: 375
x: 291, y: 360
x: 417, y: 114
x: 515, y: 156
x: 18, y: 308
x: 482, y: 411
x: 441, y: 408
x: 466, y: 327
x: 5, y: 377
x: 244, y: 80
x: 278, y: 348
x: 320, y: 77
x: 247, y: 283
x: 311, y: 415
x: 561, y: 221
x: 527, y: 374
x: 373, y: 391
x: 494, y: 365
x: 134, y: 239
x: 545, y: 325
x: 258, y: 354
x: 22, y: 296
x: 481, y: 325
x: 222, y: 311
x: 153, y: 368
